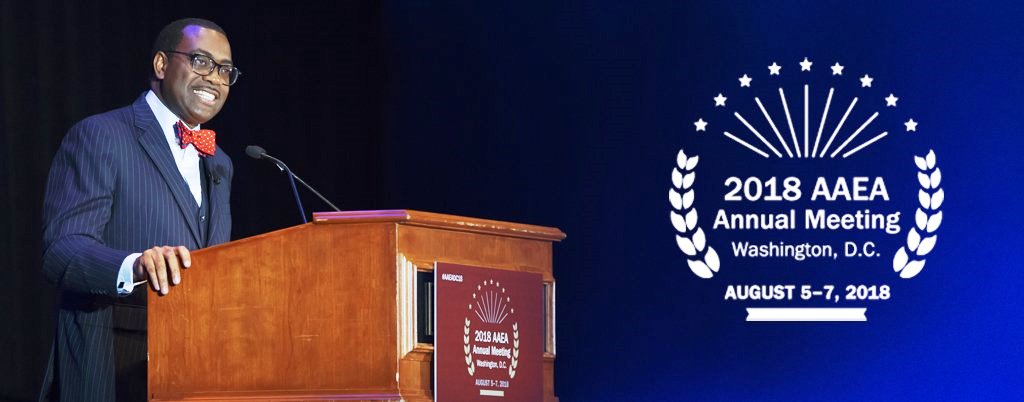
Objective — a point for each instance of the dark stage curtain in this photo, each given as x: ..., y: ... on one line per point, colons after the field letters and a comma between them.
x: 310, y: 93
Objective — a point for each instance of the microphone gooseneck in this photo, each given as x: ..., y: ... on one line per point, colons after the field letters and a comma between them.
x: 257, y: 152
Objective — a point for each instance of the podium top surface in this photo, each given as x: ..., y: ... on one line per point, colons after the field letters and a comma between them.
x: 441, y: 221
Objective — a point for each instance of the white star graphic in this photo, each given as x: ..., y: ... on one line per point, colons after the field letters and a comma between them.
x: 805, y: 65
x: 911, y: 125
x: 701, y: 124
x: 745, y: 81
x: 720, y: 100
x: 774, y: 69
x: 837, y: 69
x: 865, y: 81
x: 891, y: 100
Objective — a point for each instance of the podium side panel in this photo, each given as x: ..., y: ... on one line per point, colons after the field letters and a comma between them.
x: 424, y: 245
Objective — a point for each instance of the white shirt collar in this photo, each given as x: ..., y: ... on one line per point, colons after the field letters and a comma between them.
x: 165, y: 117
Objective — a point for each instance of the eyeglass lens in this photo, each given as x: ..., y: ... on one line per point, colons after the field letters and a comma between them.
x: 204, y: 65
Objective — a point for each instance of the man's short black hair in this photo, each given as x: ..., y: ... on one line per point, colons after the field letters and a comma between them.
x: 171, y: 35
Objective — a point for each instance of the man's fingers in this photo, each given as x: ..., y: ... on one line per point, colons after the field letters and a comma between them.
x: 186, y: 258
x: 149, y: 266
x: 161, y: 270
x: 172, y: 264
x: 162, y: 266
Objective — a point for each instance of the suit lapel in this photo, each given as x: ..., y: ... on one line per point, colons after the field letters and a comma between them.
x: 152, y: 139
x: 213, y: 184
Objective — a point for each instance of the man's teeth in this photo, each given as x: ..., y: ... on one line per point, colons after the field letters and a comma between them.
x: 206, y: 96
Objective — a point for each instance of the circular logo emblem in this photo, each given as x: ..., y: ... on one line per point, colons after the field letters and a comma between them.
x: 813, y: 197
x: 491, y: 335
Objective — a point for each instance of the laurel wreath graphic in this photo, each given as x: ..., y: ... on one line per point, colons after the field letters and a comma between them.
x: 465, y: 346
x: 515, y: 351
x: 703, y: 261
x: 909, y: 260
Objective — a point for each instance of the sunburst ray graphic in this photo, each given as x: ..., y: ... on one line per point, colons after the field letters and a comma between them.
x: 807, y: 137
x: 491, y: 308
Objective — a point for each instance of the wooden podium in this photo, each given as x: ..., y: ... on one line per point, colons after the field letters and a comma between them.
x: 326, y: 310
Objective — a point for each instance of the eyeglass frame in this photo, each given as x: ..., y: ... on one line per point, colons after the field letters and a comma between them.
x: 216, y: 66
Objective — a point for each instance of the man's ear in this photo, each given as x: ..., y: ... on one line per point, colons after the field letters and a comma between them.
x: 159, y: 65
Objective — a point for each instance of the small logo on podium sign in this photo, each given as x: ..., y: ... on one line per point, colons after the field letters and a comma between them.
x: 489, y: 334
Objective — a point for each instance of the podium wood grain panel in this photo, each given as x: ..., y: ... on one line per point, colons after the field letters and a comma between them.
x: 311, y: 312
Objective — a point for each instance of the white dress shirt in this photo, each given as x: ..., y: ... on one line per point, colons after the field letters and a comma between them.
x: 187, y: 161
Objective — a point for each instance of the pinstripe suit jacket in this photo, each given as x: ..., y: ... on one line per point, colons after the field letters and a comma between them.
x: 114, y: 189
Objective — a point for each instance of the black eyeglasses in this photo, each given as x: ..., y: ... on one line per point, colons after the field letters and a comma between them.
x: 204, y: 65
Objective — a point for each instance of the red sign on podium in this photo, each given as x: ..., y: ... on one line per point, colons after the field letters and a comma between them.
x: 488, y: 343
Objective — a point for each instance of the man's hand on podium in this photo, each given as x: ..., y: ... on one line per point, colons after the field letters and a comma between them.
x: 158, y: 264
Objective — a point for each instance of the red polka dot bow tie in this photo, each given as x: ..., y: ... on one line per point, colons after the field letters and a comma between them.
x: 203, y: 140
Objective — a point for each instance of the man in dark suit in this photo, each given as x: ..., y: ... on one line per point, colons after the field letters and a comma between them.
x: 130, y: 192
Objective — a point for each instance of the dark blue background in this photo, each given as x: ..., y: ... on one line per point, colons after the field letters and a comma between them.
x: 571, y: 115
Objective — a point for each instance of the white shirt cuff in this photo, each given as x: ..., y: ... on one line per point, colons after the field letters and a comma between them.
x: 126, y: 276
